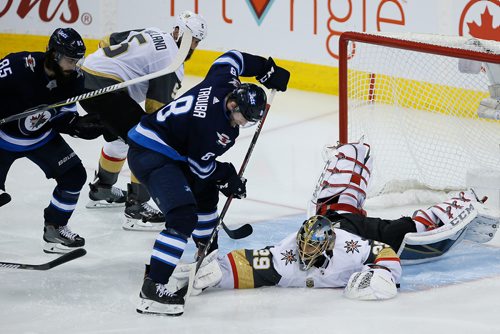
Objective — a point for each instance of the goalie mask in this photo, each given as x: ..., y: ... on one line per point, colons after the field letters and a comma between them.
x: 315, y: 238
x: 251, y: 100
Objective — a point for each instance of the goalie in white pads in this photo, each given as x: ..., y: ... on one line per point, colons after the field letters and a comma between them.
x: 336, y: 247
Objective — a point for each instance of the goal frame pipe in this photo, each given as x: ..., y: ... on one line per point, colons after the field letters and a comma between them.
x: 351, y: 36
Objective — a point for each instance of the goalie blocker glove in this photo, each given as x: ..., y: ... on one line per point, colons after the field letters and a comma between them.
x: 273, y: 76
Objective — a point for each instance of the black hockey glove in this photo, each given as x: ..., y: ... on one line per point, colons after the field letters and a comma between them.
x: 273, y: 76
x: 85, y: 127
x: 233, y: 184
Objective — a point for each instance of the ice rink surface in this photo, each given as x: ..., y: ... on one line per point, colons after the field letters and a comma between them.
x: 99, y: 292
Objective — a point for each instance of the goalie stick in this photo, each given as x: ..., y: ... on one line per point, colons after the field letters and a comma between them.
x: 176, y: 63
x: 75, y: 254
x: 245, y: 229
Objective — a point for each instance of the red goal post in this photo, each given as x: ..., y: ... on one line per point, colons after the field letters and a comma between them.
x: 405, y: 94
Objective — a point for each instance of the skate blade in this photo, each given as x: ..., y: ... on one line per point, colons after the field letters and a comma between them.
x: 103, y: 205
x: 147, y: 306
x: 55, y: 248
x: 130, y: 224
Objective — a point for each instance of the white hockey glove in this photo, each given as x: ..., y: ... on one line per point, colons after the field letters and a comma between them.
x: 371, y: 284
x: 209, y: 274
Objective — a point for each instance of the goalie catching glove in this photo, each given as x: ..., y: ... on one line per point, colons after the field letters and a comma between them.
x: 273, y: 76
x: 372, y: 284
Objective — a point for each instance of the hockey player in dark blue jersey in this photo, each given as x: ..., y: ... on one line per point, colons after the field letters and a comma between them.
x: 173, y: 153
x: 29, y: 79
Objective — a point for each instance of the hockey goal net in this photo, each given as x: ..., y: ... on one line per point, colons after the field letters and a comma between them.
x: 406, y: 95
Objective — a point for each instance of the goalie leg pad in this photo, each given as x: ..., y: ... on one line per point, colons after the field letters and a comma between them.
x: 450, y: 212
x: 209, y: 274
x: 373, y: 284
x: 342, y: 186
x: 483, y: 228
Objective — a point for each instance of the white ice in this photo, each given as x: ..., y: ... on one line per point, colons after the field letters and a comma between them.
x: 99, y: 292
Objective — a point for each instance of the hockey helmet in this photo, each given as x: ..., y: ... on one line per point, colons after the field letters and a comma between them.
x: 66, y: 42
x: 192, y: 21
x: 251, y: 100
x: 314, y: 238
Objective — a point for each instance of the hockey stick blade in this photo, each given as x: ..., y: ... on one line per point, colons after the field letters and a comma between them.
x: 75, y: 254
x: 187, y: 38
x: 4, y: 198
x: 238, y: 233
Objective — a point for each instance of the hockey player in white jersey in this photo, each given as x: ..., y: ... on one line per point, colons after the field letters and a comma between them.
x: 340, y: 247
x: 124, y: 56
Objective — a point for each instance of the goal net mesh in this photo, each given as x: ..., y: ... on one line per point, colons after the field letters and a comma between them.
x: 418, y: 111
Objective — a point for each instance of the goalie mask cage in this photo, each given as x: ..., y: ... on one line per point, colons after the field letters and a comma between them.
x: 406, y: 95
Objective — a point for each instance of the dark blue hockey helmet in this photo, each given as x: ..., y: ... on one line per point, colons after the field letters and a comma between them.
x: 251, y: 100
x: 66, y: 42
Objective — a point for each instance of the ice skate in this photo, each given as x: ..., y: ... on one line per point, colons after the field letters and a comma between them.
x: 105, y: 196
x: 142, y: 217
x: 157, y: 299
x: 60, y: 239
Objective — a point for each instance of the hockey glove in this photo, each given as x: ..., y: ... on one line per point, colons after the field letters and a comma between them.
x: 233, y: 184
x: 85, y: 127
x: 273, y: 76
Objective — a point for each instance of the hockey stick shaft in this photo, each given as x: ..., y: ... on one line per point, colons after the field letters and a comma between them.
x: 242, y: 170
x: 246, y: 227
x: 245, y: 230
x: 178, y: 61
x: 75, y: 254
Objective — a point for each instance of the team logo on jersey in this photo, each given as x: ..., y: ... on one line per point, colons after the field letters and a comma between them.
x: 223, y: 139
x: 235, y: 82
x: 289, y: 257
x: 34, y: 122
x: 29, y: 62
x: 351, y: 246
x: 52, y: 84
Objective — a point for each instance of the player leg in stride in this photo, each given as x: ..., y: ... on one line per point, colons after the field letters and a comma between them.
x: 103, y: 193
x: 119, y: 111
x: 139, y: 214
x: 36, y: 78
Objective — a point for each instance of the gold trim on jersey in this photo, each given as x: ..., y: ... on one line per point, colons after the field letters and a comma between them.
x: 152, y: 105
x: 105, y: 42
x: 101, y: 74
x: 386, y: 254
x: 242, y: 270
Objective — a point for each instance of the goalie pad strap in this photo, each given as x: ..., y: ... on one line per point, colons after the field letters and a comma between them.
x: 356, y: 178
x: 345, y: 185
x: 357, y: 162
x: 423, y: 218
x: 340, y: 207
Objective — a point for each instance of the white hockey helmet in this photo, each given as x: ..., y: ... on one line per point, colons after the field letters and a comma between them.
x: 192, y: 21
